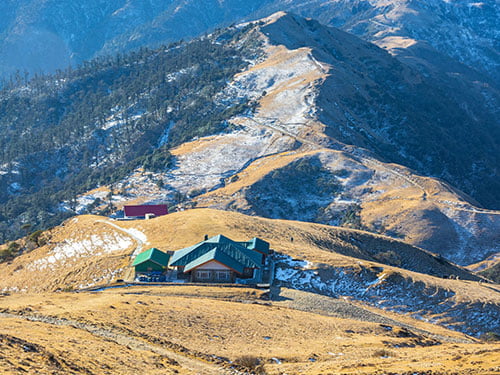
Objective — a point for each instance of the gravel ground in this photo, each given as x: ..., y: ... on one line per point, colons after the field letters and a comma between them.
x: 340, y: 308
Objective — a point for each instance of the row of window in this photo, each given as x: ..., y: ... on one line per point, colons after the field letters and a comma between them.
x: 219, y: 275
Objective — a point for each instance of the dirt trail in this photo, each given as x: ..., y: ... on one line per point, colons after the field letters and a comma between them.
x: 139, y: 242
x: 196, y: 366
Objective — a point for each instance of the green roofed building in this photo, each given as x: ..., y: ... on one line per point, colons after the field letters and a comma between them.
x: 150, y: 261
x: 220, y: 259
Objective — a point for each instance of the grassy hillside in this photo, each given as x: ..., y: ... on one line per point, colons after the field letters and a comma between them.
x: 345, y: 189
x: 184, y: 331
x: 363, y: 315
x: 375, y: 270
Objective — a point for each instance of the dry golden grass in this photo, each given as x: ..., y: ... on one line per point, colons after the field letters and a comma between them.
x: 36, y: 271
x: 320, y: 244
x: 40, y: 348
x: 305, y: 343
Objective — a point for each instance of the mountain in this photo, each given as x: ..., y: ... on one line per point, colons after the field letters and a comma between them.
x: 364, y: 167
x: 315, y: 117
x: 465, y: 30
x: 69, y: 132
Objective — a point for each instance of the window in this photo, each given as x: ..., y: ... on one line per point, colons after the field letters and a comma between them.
x: 248, y: 272
x: 203, y: 275
x: 223, y: 275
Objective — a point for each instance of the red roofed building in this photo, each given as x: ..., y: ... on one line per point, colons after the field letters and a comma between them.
x: 141, y: 211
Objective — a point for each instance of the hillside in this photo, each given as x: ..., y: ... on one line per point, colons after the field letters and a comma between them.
x: 338, y: 189
x: 95, y: 125
x: 178, y: 331
x: 109, y: 335
x: 91, y: 250
x: 387, y: 319
x: 292, y: 87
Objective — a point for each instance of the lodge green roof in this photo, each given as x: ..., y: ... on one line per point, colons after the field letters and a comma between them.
x: 219, y: 248
x: 219, y: 256
x: 154, y: 255
x: 258, y: 245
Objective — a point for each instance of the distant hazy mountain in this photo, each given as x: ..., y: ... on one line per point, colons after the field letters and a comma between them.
x: 43, y: 35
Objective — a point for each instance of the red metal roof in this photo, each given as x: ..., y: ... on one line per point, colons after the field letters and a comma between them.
x: 142, y: 210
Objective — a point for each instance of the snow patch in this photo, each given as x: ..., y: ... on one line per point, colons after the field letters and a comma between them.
x: 71, y: 249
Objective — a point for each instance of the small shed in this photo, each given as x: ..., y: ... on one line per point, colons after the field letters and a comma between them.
x: 152, y: 260
x: 141, y: 211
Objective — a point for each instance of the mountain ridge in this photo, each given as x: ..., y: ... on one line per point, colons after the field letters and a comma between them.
x: 327, y: 89
x: 465, y: 30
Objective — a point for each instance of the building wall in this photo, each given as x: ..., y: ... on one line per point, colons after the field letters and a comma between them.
x: 148, y: 266
x: 212, y: 276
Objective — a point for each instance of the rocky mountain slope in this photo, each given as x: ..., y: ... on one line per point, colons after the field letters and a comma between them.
x: 305, y: 119
x: 70, y: 132
x: 465, y: 30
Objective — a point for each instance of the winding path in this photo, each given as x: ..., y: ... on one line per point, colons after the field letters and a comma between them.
x: 139, y: 242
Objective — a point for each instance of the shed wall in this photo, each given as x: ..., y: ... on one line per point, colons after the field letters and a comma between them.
x: 148, y: 266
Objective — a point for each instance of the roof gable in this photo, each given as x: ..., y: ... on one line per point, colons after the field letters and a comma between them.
x: 227, y: 249
x: 258, y: 245
x: 154, y: 255
x: 219, y: 256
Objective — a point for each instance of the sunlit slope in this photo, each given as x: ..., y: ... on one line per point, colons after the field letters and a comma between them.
x: 191, y: 331
x: 89, y: 250
x: 327, y: 186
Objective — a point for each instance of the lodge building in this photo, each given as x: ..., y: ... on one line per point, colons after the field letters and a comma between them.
x: 214, y: 260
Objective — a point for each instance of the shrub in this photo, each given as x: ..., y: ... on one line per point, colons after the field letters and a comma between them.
x: 490, y: 336
x: 13, y: 248
x: 251, y: 363
x: 37, y: 238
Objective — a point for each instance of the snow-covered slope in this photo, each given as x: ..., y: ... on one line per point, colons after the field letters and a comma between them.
x: 392, y: 291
